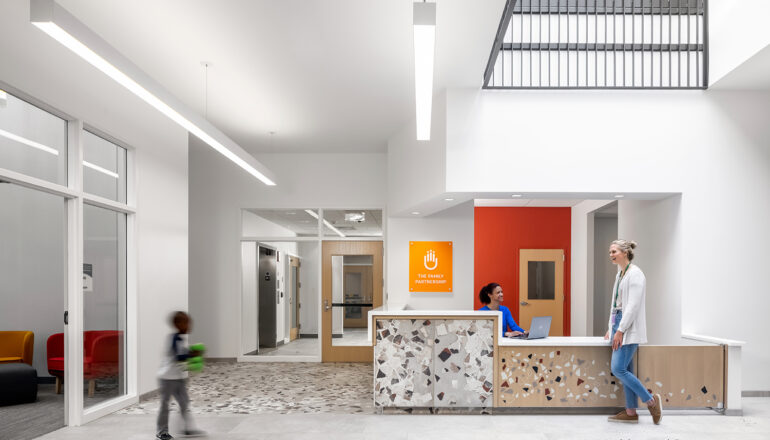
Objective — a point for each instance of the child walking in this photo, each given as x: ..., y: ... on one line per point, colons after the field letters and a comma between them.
x: 172, y: 376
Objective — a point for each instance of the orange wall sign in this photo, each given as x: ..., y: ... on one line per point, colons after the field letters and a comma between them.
x: 430, y: 266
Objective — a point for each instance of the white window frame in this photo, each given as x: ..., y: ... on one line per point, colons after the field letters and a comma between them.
x: 74, y: 196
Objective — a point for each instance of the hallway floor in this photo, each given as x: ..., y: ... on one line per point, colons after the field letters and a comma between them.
x: 319, y: 401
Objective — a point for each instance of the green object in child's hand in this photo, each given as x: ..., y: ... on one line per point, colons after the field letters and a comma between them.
x: 198, y: 347
x: 195, y: 363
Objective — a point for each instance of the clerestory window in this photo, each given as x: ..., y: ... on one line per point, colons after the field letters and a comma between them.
x: 623, y: 44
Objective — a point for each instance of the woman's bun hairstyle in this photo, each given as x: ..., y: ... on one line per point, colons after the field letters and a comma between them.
x: 486, y: 291
x: 626, y: 246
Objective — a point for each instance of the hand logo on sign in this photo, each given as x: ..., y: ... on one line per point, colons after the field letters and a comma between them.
x: 430, y: 257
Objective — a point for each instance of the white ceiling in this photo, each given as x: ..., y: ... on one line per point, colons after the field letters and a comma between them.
x: 753, y: 74
x: 324, y: 75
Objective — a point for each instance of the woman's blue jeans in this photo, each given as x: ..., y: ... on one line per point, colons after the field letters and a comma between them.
x: 622, y: 368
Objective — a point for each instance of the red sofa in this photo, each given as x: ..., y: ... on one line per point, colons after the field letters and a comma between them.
x: 101, y: 356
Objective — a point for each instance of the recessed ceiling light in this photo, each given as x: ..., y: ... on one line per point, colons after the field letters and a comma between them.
x: 291, y: 213
x: 516, y: 195
x: 415, y: 212
x: 619, y: 196
x: 449, y: 199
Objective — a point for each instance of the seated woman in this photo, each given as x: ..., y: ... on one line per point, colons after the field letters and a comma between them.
x: 492, y: 296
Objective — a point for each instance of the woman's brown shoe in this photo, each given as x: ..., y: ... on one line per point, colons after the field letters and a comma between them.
x: 657, y: 410
x: 623, y: 417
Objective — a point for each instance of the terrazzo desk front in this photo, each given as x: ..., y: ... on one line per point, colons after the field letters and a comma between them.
x: 457, y: 359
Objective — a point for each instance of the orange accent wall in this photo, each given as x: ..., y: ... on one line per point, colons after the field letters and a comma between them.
x: 499, y: 233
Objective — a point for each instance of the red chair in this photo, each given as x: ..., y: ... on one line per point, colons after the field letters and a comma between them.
x: 101, y: 356
x: 55, y: 356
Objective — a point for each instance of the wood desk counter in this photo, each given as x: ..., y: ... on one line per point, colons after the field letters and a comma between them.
x: 458, y: 359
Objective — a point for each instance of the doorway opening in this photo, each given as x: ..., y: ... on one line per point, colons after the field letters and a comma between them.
x: 604, y: 232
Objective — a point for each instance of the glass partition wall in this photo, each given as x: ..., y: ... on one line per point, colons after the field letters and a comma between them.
x: 66, y: 230
x: 281, y: 270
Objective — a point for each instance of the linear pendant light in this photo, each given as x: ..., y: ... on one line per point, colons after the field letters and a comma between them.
x: 424, y: 16
x: 59, y: 24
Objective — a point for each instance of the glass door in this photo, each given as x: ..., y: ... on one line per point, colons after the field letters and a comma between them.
x: 32, y: 303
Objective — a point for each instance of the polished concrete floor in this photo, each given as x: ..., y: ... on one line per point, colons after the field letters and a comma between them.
x: 352, y: 337
x: 297, y: 347
x: 296, y: 401
x: 753, y: 425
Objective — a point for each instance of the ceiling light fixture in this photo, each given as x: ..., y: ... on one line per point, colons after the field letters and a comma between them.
x: 619, y: 196
x: 326, y: 222
x: 515, y: 195
x: 449, y: 199
x: 424, y: 20
x: 415, y: 212
x: 60, y: 25
x: 29, y: 143
x: 355, y: 217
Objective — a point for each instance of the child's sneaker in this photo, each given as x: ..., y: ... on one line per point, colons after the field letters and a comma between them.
x: 164, y: 436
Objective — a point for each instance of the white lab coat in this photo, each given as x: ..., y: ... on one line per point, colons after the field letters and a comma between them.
x: 632, y: 293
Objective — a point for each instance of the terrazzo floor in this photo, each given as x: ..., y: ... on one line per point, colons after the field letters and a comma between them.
x: 278, y: 387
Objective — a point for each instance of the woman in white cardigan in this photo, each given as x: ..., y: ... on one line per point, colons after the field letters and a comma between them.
x: 627, y: 329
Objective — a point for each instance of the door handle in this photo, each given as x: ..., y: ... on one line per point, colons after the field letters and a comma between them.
x: 524, y: 303
x: 326, y: 305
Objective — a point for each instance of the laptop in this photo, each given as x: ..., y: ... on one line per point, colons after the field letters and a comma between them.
x: 539, y: 328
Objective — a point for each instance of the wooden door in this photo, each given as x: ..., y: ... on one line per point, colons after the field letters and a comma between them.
x: 294, y: 302
x: 348, y: 353
x: 541, y: 287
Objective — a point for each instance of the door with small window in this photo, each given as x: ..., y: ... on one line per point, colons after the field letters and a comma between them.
x: 541, y: 287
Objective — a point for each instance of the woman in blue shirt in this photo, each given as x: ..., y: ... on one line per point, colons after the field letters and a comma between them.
x: 492, y: 296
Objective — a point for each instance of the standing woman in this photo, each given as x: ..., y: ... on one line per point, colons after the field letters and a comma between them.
x: 491, y: 296
x: 627, y: 328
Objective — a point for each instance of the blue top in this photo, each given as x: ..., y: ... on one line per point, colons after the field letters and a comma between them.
x: 508, y: 321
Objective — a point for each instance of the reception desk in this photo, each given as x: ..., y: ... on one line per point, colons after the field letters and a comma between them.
x: 458, y: 359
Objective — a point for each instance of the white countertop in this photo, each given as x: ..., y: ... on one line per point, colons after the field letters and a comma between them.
x: 555, y: 341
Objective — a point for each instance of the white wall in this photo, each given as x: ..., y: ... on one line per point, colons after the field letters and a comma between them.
x: 605, y: 231
x: 249, y: 295
x: 656, y: 227
x: 309, y: 293
x: 455, y: 225
x: 581, y: 266
x: 737, y: 31
x: 416, y: 169
x: 219, y: 191
x: 712, y: 147
x: 46, y: 70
